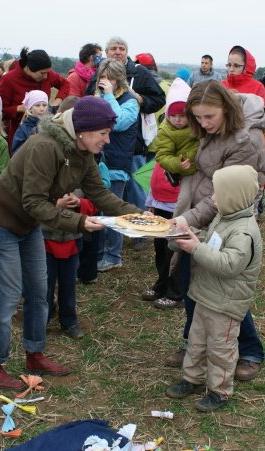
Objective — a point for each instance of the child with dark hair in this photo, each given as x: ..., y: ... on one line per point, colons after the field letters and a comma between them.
x: 81, y: 76
x: 32, y: 71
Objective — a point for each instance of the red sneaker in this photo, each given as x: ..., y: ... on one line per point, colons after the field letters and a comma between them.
x: 38, y: 363
x: 9, y: 382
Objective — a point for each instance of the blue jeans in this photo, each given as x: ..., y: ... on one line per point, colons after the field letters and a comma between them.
x: 23, y: 266
x: 110, y: 242
x: 64, y: 270
x: 134, y: 193
x: 249, y: 344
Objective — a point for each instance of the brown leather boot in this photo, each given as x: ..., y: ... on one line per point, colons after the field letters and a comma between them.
x: 175, y: 360
x: 9, y: 382
x: 246, y: 370
x: 38, y: 363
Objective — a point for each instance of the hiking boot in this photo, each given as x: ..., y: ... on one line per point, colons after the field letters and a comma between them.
x: 9, y: 382
x: 165, y: 303
x: 184, y: 388
x: 73, y: 331
x: 212, y: 401
x: 37, y: 363
x: 246, y: 370
x: 107, y: 266
x: 175, y: 360
x: 150, y: 295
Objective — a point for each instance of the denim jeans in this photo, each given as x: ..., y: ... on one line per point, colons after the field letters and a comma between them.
x: 249, y: 344
x: 23, y: 266
x: 134, y: 193
x: 64, y: 270
x: 110, y: 242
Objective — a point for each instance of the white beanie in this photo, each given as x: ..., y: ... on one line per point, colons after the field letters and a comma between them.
x: 33, y: 97
x: 178, y: 92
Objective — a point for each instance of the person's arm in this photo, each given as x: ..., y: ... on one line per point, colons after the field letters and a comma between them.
x: 10, y: 110
x: 152, y: 95
x: 59, y: 82
x: 126, y: 113
x: 41, y: 167
x: 20, y: 137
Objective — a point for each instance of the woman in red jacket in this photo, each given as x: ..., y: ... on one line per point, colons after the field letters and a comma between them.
x: 241, y: 68
x: 31, y: 71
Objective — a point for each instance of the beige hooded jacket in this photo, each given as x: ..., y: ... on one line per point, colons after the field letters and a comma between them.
x: 226, y: 266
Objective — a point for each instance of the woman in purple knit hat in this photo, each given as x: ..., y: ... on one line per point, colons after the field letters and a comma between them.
x: 50, y: 164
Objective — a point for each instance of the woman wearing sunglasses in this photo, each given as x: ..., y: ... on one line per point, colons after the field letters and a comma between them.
x: 241, y: 67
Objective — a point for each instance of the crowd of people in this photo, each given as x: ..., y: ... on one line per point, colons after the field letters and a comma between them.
x: 69, y: 147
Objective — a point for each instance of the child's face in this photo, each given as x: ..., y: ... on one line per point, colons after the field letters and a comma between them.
x: 178, y: 121
x: 39, y: 109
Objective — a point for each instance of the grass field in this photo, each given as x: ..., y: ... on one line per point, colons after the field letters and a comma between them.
x: 119, y: 373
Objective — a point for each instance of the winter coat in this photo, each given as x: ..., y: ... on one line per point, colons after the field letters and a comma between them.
x: 77, y: 84
x: 119, y: 152
x: 246, y: 146
x: 245, y: 82
x: 199, y: 76
x: 25, y: 129
x: 15, y: 84
x: 161, y: 189
x: 173, y: 145
x: 47, y: 166
x: 224, y: 275
x: 153, y: 96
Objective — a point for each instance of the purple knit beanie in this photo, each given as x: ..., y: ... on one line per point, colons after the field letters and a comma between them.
x: 91, y: 114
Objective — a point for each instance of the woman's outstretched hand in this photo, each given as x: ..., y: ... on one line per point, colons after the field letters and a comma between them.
x: 93, y: 224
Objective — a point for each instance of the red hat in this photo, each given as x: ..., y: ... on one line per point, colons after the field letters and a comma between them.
x: 146, y: 59
x: 176, y: 108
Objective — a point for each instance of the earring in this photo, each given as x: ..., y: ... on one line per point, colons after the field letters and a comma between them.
x: 80, y: 136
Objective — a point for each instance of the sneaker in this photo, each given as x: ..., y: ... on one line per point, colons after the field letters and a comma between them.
x: 73, y: 331
x: 107, y: 266
x: 8, y: 382
x: 164, y: 303
x: 150, y: 295
x: 183, y: 389
x: 175, y: 360
x: 38, y: 363
x: 212, y: 401
x: 246, y: 370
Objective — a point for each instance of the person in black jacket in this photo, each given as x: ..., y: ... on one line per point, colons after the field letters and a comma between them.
x: 151, y: 99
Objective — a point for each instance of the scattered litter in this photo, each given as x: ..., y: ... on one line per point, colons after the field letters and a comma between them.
x: 28, y: 409
x: 162, y: 414
x: 33, y: 382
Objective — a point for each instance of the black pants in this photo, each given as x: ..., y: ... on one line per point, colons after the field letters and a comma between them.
x: 166, y: 285
x: 88, y: 257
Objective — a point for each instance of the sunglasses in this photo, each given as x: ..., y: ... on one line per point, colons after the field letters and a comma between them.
x: 235, y: 65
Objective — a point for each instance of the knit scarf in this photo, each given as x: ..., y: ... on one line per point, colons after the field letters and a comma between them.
x: 84, y: 72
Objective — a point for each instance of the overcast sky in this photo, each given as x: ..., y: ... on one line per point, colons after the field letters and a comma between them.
x: 172, y: 30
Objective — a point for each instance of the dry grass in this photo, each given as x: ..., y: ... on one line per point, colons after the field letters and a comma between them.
x: 119, y: 373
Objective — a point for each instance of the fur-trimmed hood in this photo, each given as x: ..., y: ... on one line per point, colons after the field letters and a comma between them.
x: 60, y: 127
